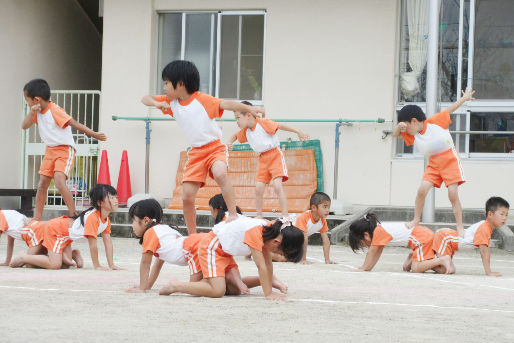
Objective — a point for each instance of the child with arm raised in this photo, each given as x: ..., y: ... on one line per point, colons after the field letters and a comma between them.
x: 261, y: 134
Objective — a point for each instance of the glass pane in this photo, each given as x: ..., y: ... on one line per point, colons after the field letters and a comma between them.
x: 170, y: 41
x: 199, y: 35
x: 493, y: 62
x: 448, y: 54
x: 229, y: 62
x: 252, y: 43
x: 492, y: 121
x: 459, y: 124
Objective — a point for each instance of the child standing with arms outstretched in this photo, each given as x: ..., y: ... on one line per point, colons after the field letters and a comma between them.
x: 94, y: 221
x: 195, y: 113
x: 369, y: 232
x: 432, y: 137
x: 313, y: 221
x: 239, y: 238
x: 447, y: 241
x: 261, y: 134
x: 54, y: 126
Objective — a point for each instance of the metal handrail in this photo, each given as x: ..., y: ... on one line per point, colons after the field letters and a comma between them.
x: 388, y: 132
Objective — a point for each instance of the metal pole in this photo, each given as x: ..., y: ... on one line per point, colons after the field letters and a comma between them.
x: 431, y: 90
x: 336, y: 158
x: 147, y: 155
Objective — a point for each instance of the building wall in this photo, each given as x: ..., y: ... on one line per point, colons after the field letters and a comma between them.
x: 340, y: 61
x: 51, y: 39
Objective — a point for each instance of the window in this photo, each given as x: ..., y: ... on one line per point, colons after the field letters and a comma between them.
x: 227, y: 48
x: 487, y: 65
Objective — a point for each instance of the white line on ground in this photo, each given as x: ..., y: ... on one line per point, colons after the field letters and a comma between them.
x: 450, y: 281
x: 57, y: 289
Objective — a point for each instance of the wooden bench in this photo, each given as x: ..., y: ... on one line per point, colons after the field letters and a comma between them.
x: 25, y: 194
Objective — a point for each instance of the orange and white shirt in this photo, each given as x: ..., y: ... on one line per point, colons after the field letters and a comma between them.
x: 306, y: 223
x: 53, y: 126
x: 261, y: 137
x: 196, y: 117
x: 435, y: 137
x: 11, y: 223
x: 391, y: 234
x: 165, y: 243
x: 476, y: 235
x: 233, y: 236
x: 94, y: 225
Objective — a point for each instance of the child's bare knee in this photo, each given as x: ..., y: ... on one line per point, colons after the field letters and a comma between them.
x: 55, y: 265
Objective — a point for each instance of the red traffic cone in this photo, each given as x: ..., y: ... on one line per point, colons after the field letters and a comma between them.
x: 123, y: 187
x: 103, y: 174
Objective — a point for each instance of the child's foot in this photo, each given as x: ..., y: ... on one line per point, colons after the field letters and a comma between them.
x: 18, y: 262
x: 447, y: 263
x: 232, y: 276
x: 231, y: 218
x: 277, y: 284
x: 460, y: 230
x: 169, y: 288
x: 452, y: 267
x: 412, y: 224
x: 77, y: 257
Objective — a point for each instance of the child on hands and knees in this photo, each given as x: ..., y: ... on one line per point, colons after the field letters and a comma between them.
x: 261, y: 134
x: 369, y: 232
x: 95, y: 221
x: 54, y: 126
x: 238, y: 238
x: 57, y: 243
x: 314, y: 220
x: 432, y: 137
x: 195, y: 113
x: 447, y: 241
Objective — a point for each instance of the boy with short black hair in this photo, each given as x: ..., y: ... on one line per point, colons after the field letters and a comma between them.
x: 447, y: 241
x: 314, y: 220
x: 261, y: 134
x: 54, y: 126
x: 432, y: 137
x: 195, y: 113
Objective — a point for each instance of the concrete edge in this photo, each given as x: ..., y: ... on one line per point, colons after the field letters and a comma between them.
x: 507, y: 238
x: 337, y: 234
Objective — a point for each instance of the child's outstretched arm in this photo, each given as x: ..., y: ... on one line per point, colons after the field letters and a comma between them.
x: 235, y: 106
x: 326, y: 248
x: 84, y: 129
x: 109, y: 251
x: 485, y: 253
x: 305, y: 245
x: 154, y: 273
x: 371, y: 259
x: 144, y: 270
x: 466, y: 96
x: 301, y: 135
x: 93, y: 250
x: 150, y: 100
x: 10, y: 247
x: 264, y: 265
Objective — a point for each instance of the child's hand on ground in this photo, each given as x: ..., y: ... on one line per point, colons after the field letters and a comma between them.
x: 135, y: 289
x: 330, y: 262
x: 4, y: 264
x: 303, y: 136
x: 468, y: 94
x: 276, y: 296
x: 163, y: 106
x: 102, y: 268
x: 256, y: 110
x: 100, y: 136
x: 494, y: 274
x: 114, y: 267
x: 36, y: 108
x: 306, y: 262
x: 402, y: 126
x: 360, y: 269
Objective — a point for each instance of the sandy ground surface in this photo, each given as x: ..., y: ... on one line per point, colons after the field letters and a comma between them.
x: 327, y: 303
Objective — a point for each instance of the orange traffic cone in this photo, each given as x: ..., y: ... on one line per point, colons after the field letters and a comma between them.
x: 123, y: 187
x: 103, y: 174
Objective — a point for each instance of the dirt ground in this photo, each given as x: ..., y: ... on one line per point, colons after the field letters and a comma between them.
x: 327, y: 303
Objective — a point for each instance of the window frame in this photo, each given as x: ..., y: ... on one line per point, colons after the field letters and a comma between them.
x: 216, y: 31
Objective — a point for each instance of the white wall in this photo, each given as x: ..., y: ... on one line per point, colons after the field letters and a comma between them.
x: 51, y: 39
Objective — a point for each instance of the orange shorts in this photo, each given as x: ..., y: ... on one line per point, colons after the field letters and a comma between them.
x: 446, y: 242
x: 201, y: 159
x: 57, y: 158
x: 421, y: 243
x: 213, y: 260
x: 272, y: 165
x: 190, y: 248
x: 446, y: 167
x: 33, y: 233
x: 56, y: 238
